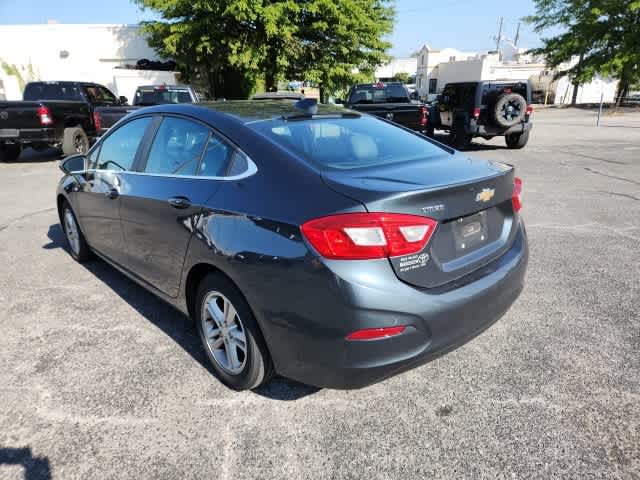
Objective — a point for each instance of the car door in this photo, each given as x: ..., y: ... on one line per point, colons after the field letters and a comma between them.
x: 161, y: 202
x: 99, y: 198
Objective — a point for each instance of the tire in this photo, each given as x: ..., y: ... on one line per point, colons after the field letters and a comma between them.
x: 517, y: 140
x: 74, y: 141
x: 430, y: 131
x: 509, y: 109
x: 458, y: 138
x: 78, y: 247
x: 9, y: 152
x: 237, y: 368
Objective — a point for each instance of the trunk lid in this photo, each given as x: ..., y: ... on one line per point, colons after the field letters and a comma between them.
x: 470, y: 199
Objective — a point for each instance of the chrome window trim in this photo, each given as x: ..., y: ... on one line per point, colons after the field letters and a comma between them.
x: 253, y: 169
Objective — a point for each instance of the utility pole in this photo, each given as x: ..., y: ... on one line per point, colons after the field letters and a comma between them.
x: 499, y: 37
x: 515, y: 42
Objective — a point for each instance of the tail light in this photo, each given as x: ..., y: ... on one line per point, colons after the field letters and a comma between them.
x: 375, y: 333
x: 529, y: 109
x: 97, y: 120
x: 44, y: 114
x: 516, y: 198
x: 362, y: 236
x: 476, y: 113
x: 424, y: 113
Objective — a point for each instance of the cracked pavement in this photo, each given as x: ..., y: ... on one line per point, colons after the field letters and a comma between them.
x: 98, y: 379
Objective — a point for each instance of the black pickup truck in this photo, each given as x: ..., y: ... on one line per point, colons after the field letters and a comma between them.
x: 53, y: 114
x: 391, y: 101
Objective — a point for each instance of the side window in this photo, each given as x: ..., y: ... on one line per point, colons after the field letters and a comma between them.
x: 239, y: 165
x: 215, y: 158
x: 118, y: 150
x: 177, y: 147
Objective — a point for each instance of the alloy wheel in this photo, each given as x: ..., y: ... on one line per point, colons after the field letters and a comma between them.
x: 224, y: 333
x: 71, y: 229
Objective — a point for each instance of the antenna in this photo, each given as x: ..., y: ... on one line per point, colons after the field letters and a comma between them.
x: 499, y: 37
x: 515, y: 42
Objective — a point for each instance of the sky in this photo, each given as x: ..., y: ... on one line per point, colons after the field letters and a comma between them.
x: 461, y: 24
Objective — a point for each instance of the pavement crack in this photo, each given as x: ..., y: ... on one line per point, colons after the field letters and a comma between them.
x: 624, y: 179
x: 4, y: 226
x: 591, y: 157
x: 618, y: 194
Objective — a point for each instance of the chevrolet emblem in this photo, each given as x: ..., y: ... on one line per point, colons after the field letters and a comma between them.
x: 485, y: 195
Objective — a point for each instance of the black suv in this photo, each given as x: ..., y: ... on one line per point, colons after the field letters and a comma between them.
x: 483, y: 109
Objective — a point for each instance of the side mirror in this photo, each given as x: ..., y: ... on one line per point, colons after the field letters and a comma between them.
x: 123, y: 100
x: 338, y: 101
x: 414, y: 95
x: 73, y: 163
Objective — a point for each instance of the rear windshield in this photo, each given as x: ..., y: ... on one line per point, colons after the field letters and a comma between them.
x: 378, y: 94
x: 491, y: 90
x: 161, y: 96
x: 346, y: 143
x: 51, y: 91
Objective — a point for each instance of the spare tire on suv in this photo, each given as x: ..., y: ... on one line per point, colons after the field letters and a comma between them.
x: 509, y: 109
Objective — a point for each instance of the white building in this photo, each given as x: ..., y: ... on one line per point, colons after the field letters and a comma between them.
x: 429, y: 58
x: 89, y: 53
x: 511, y: 63
x: 397, y: 65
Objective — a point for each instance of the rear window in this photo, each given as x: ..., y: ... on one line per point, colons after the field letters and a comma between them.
x: 346, y: 143
x: 51, y: 91
x: 378, y: 94
x: 161, y: 96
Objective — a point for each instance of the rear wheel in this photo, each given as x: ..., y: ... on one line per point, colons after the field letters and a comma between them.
x: 458, y: 137
x: 9, y: 152
x: 78, y: 246
x: 517, y: 140
x: 230, y: 335
x: 74, y: 141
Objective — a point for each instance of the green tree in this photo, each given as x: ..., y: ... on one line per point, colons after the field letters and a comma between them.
x: 401, y: 77
x: 227, y: 45
x: 341, y: 42
x: 604, y: 35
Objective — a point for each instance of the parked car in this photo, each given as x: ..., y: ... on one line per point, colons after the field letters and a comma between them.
x: 484, y: 109
x: 53, y: 114
x: 390, y: 101
x: 149, y: 95
x: 329, y: 246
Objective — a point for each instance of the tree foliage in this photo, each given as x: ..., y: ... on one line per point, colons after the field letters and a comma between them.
x: 403, y: 77
x: 603, y: 34
x: 229, y: 44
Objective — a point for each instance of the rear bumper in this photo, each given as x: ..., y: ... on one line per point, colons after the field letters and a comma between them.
x: 437, y: 321
x: 31, y: 135
x: 489, y: 131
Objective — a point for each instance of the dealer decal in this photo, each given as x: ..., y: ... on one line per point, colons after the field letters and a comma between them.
x: 412, y: 262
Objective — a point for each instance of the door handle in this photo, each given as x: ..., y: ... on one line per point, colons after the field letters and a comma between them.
x: 112, y: 193
x: 179, y: 202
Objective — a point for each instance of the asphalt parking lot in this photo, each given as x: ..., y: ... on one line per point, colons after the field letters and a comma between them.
x: 98, y: 379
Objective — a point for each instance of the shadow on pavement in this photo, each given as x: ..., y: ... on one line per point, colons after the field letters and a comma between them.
x: 35, y: 468
x: 173, y: 323
x: 29, y: 155
x: 474, y: 147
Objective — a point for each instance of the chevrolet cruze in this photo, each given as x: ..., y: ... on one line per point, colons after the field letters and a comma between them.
x: 318, y: 243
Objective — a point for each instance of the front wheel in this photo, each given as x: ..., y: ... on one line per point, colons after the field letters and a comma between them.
x: 517, y: 140
x: 230, y: 335
x: 77, y: 244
